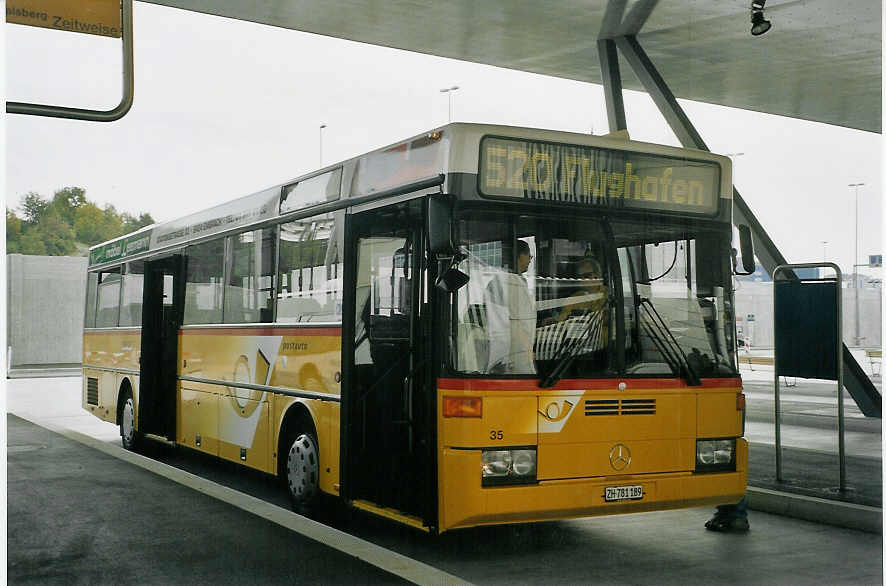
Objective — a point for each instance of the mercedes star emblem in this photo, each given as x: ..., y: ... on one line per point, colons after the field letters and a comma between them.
x: 619, y: 457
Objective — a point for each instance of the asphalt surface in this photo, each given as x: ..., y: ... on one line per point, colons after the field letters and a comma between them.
x: 78, y: 516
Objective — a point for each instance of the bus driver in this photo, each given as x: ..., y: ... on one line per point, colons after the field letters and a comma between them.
x: 590, y: 301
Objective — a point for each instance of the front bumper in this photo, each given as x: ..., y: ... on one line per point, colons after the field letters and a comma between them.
x: 465, y: 503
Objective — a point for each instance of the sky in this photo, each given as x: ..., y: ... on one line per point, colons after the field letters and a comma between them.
x: 225, y: 108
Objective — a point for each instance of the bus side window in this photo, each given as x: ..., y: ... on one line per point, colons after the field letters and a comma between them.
x: 250, y: 282
x: 91, y: 293
x: 203, y: 287
x: 108, y: 310
x: 133, y: 283
x: 310, y: 272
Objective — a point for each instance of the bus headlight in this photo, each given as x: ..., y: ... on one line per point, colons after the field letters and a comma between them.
x: 509, y: 467
x: 714, y: 455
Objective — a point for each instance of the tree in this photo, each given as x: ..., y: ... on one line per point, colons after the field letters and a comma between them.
x: 34, y: 207
x: 112, y: 225
x: 57, y: 235
x: 67, y: 200
x: 88, y: 224
x: 13, y: 232
x: 32, y: 243
x: 131, y: 223
x: 56, y: 227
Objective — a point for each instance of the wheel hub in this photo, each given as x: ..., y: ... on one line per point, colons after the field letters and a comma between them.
x: 127, y: 425
x: 302, y: 468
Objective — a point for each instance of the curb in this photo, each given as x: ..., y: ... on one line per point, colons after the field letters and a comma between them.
x: 44, y: 372
x: 817, y: 510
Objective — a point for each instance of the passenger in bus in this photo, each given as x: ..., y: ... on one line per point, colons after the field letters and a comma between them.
x: 510, y: 310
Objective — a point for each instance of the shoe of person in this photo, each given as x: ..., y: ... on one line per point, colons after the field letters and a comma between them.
x: 728, y: 524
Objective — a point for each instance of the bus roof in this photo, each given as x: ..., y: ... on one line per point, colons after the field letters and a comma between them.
x: 441, y: 152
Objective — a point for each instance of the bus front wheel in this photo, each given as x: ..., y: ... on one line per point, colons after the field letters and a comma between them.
x: 128, y: 434
x: 303, y: 470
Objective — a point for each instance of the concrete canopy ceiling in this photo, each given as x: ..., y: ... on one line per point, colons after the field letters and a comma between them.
x: 821, y: 61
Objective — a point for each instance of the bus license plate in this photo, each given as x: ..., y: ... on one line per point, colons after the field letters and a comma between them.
x: 624, y: 493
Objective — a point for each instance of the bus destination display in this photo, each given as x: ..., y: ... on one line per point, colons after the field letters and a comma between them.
x: 587, y: 175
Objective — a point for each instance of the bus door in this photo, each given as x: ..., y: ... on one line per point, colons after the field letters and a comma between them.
x: 387, y: 399
x: 162, y: 310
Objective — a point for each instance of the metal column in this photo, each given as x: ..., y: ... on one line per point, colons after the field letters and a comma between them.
x: 615, y: 106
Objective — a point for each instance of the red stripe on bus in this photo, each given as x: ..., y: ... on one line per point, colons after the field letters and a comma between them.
x: 469, y: 384
x: 289, y: 331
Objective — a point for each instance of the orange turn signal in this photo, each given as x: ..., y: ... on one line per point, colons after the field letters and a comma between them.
x: 739, y: 402
x: 462, y: 406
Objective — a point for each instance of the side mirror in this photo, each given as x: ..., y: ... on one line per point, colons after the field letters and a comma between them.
x: 440, y: 227
x: 452, y: 280
x: 747, y: 249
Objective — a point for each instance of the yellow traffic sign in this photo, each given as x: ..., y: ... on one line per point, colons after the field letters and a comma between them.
x: 92, y: 17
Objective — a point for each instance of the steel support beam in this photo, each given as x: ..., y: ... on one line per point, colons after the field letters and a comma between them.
x: 637, y: 17
x: 856, y: 381
x: 660, y: 93
x: 615, y: 106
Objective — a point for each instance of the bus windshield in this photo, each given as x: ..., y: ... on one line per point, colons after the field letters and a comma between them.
x: 592, y: 298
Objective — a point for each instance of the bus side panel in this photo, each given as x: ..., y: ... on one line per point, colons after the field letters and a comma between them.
x: 244, y: 432
x: 198, y: 417
x: 112, y: 350
x: 248, y: 421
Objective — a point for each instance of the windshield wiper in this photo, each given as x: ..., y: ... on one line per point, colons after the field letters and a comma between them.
x: 658, y: 331
x: 570, y: 349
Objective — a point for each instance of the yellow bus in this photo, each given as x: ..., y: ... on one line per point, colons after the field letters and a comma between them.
x: 479, y: 325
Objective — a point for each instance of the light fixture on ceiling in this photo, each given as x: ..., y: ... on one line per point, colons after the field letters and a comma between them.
x: 759, y: 24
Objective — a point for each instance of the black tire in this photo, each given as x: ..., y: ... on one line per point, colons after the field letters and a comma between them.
x: 129, y: 436
x: 301, y: 470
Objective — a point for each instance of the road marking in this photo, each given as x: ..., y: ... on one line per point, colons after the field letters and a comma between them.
x: 385, y: 559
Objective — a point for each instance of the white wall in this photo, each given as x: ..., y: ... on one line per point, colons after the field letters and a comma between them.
x: 44, y: 310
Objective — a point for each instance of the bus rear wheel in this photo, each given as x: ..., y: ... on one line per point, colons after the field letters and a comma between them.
x: 128, y: 435
x: 303, y: 471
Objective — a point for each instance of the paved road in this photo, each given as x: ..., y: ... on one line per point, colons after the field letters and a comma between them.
x: 666, y: 547
x: 77, y: 515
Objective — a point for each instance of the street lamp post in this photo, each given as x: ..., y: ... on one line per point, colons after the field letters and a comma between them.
x: 824, y: 248
x: 448, y: 91
x: 855, y: 266
x: 322, y: 126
